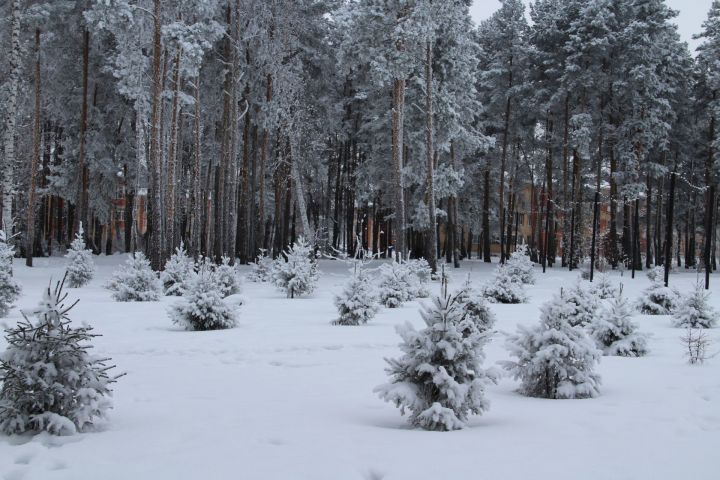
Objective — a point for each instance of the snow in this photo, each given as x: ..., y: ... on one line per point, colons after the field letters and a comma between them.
x: 286, y: 395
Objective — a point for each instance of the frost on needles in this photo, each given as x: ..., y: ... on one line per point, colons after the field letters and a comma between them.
x: 50, y: 381
x: 440, y: 379
x: 9, y: 288
x: 358, y: 302
x: 135, y: 281
x: 296, y: 273
x: 80, y: 267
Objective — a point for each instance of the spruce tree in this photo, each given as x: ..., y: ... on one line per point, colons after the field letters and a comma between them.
x: 80, y: 268
x: 227, y: 278
x: 657, y: 299
x: 584, y: 302
x: 178, y: 270
x: 474, y: 307
x: 395, y: 285
x: 520, y: 266
x: 135, y: 281
x: 504, y: 288
x: 49, y: 381
x: 202, y: 306
x: 9, y: 287
x: 614, y: 331
x: 297, y: 273
x: 603, y: 288
x: 693, y: 310
x: 262, y: 268
x: 555, y: 359
x: 358, y: 302
x: 439, y: 379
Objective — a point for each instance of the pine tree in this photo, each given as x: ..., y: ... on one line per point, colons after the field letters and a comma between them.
x: 202, y: 306
x: 439, y: 379
x: 474, y: 307
x: 9, y: 287
x: 178, y: 270
x: 603, y: 288
x: 49, y: 381
x: 227, y: 278
x: 584, y: 302
x: 420, y: 274
x: 520, y: 266
x: 504, y: 288
x: 297, y: 273
x: 358, y: 302
x: 555, y: 359
x: 395, y: 287
x: 81, y: 268
x: 135, y: 281
x: 262, y: 268
x: 614, y: 331
x: 658, y: 299
x: 693, y: 310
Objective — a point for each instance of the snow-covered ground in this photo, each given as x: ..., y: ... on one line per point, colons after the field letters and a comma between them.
x: 286, y: 395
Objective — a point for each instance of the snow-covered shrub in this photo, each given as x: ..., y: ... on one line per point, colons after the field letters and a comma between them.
x: 603, y: 288
x: 585, y: 304
x: 262, y: 269
x: 658, y: 299
x: 297, y: 274
x: 49, y: 381
x: 80, y: 268
x: 614, y: 331
x: 420, y: 276
x: 227, y: 278
x: 395, y: 287
x: 135, y: 281
x: 696, y: 343
x: 656, y: 274
x: 202, y: 306
x: 520, y: 267
x: 474, y: 307
x: 555, y: 359
x: 358, y: 302
x: 439, y: 379
x: 693, y: 310
x: 504, y: 288
x: 9, y: 288
x: 178, y: 270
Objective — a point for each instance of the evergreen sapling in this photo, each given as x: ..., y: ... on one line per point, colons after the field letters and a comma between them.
x: 504, y: 288
x: 202, y: 306
x: 614, y: 331
x: 9, y: 287
x: 227, y: 278
x: 658, y: 299
x: 395, y: 288
x: 297, y: 274
x: 178, y: 269
x: 358, y: 302
x: 694, y: 311
x: 520, y: 267
x: 261, y: 271
x: 135, y: 281
x: 80, y: 268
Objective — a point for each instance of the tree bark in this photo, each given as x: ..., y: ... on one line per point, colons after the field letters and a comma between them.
x: 155, y: 194
x: 398, y: 114
x: 30, y: 239
x: 8, y: 174
x: 431, y: 246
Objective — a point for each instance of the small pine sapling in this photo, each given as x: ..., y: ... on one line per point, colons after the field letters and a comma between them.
x: 585, y: 304
x: 178, y: 270
x: 658, y: 299
x: 614, y: 331
x: 656, y: 274
x: 358, y: 302
x: 554, y: 359
x: 603, y: 288
x: 9, y: 287
x: 439, y: 379
x: 474, y: 307
x: 420, y: 276
x: 694, y: 311
x: 394, y: 289
x: 520, y: 266
x: 80, y: 267
x: 49, y: 381
x: 202, y: 306
x: 504, y: 288
x: 227, y: 278
x: 135, y: 281
x: 297, y: 273
x: 261, y: 271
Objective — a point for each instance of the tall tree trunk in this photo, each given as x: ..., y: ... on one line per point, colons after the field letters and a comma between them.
x: 709, y: 198
x: 197, y: 204
x: 648, y: 222
x: 83, y: 201
x: 172, y: 160
x: 669, y: 231
x: 398, y: 114
x: 566, y: 176
x: 155, y: 194
x: 486, y: 216
x: 429, y: 150
x: 8, y: 174
x: 299, y: 194
x: 30, y: 239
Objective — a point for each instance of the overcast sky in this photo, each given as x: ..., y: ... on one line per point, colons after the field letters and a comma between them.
x: 692, y: 14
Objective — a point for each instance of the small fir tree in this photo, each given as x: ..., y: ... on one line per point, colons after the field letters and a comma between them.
x: 658, y: 299
x: 227, y: 278
x: 49, y: 381
x: 202, y: 306
x: 614, y: 331
x: 9, y: 287
x: 358, y: 302
x: 178, y: 269
x: 135, y: 281
x: 261, y: 271
x: 520, y: 266
x: 395, y: 287
x: 80, y: 268
x: 694, y: 311
x: 439, y: 379
x: 474, y: 307
x: 297, y: 273
x: 584, y: 302
x: 420, y: 275
x: 603, y: 288
x: 555, y: 359
x: 656, y: 274
x: 504, y: 288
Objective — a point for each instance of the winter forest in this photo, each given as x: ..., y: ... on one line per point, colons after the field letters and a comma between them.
x: 282, y: 239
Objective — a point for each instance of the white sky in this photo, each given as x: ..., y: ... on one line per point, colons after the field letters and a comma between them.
x: 692, y: 15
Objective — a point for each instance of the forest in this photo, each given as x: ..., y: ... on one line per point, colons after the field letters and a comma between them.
x: 581, y: 128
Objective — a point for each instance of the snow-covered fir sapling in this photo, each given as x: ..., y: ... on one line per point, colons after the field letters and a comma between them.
x: 584, y: 302
x: 656, y: 274
x: 555, y: 359
x: 9, y: 287
x: 178, y: 270
x: 474, y: 307
x: 421, y: 275
x: 603, y: 287
x: 658, y: 299
x: 394, y: 288
x: 358, y: 302
x: 227, y: 278
x: 296, y: 273
x: 504, y: 288
x: 439, y: 379
x: 202, y: 306
x: 520, y: 266
x: 135, y: 281
x: 50, y: 382
x: 614, y: 331
x: 694, y: 311
x: 262, y: 268
x: 80, y: 267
